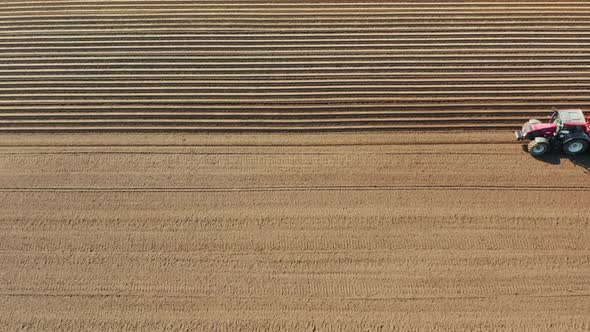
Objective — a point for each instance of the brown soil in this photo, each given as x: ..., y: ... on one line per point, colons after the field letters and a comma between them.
x: 298, y: 230
x: 225, y: 66
x: 440, y: 231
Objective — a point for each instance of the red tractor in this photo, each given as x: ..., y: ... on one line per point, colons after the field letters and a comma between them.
x: 567, y: 130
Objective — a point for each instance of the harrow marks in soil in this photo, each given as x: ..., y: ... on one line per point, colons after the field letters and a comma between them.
x: 339, y: 231
x: 281, y: 66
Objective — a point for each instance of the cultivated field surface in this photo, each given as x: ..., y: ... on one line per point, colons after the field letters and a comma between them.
x: 302, y: 232
x: 272, y: 165
x: 180, y: 65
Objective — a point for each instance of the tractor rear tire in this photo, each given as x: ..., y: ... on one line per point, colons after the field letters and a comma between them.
x: 575, y: 147
x: 538, y: 149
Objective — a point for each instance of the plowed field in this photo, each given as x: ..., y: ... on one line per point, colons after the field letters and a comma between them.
x: 326, y: 232
x: 176, y: 65
x: 175, y: 165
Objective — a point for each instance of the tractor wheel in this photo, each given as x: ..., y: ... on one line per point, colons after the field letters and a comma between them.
x: 575, y: 147
x: 538, y: 149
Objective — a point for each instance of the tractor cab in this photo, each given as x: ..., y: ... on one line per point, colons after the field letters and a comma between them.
x: 566, y: 130
x: 569, y: 121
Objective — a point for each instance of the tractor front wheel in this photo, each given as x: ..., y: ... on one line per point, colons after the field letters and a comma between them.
x: 538, y: 149
x: 575, y: 147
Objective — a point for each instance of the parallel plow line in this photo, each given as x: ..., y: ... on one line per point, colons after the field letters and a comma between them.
x: 324, y: 188
x: 210, y: 66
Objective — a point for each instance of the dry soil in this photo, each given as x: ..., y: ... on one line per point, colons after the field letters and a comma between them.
x: 440, y: 231
x: 180, y: 65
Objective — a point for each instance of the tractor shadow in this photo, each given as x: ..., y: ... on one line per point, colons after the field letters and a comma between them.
x: 556, y: 158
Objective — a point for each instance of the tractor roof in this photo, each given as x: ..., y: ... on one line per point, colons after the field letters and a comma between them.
x: 573, y: 116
